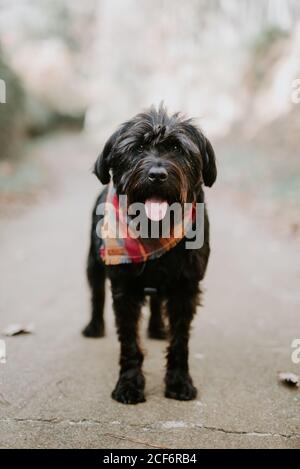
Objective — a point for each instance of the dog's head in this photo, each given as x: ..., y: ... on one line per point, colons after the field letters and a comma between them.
x: 157, y: 156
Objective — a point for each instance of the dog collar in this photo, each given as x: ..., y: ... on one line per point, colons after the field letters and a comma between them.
x: 122, y: 246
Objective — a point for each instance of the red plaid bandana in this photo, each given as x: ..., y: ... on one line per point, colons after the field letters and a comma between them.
x: 127, y: 247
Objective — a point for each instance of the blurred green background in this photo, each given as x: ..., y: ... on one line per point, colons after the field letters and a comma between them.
x: 73, y: 66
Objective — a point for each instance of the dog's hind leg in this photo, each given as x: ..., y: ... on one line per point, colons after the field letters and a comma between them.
x: 96, y: 278
x: 181, y: 308
x: 156, y: 327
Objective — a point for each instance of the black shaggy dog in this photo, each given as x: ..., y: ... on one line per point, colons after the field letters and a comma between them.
x: 166, y: 157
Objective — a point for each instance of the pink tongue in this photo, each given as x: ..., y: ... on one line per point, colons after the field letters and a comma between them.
x: 156, y: 209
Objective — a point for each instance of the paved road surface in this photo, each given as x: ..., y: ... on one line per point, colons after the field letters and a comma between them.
x: 55, y: 387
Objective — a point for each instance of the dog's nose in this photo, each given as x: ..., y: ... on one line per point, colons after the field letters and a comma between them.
x: 157, y: 174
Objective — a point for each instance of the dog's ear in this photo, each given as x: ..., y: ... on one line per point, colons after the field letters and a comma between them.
x: 102, y: 165
x: 209, y: 164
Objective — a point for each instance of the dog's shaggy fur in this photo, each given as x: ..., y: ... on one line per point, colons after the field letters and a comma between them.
x: 153, y: 138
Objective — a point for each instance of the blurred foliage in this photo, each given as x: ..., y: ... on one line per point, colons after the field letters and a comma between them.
x: 92, y: 64
x: 265, y: 50
x: 11, y: 112
x: 267, y: 39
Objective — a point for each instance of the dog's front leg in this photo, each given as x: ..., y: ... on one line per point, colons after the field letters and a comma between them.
x: 181, y: 309
x: 131, y: 383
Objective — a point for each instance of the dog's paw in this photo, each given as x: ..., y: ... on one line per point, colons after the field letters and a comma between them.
x: 158, y: 333
x: 180, y: 388
x: 93, y: 330
x: 130, y: 391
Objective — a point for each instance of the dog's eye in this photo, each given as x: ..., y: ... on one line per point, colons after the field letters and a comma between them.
x: 176, y: 148
x: 140, y: 148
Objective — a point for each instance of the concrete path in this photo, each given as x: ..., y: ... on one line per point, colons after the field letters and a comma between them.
x: 55, y: 387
